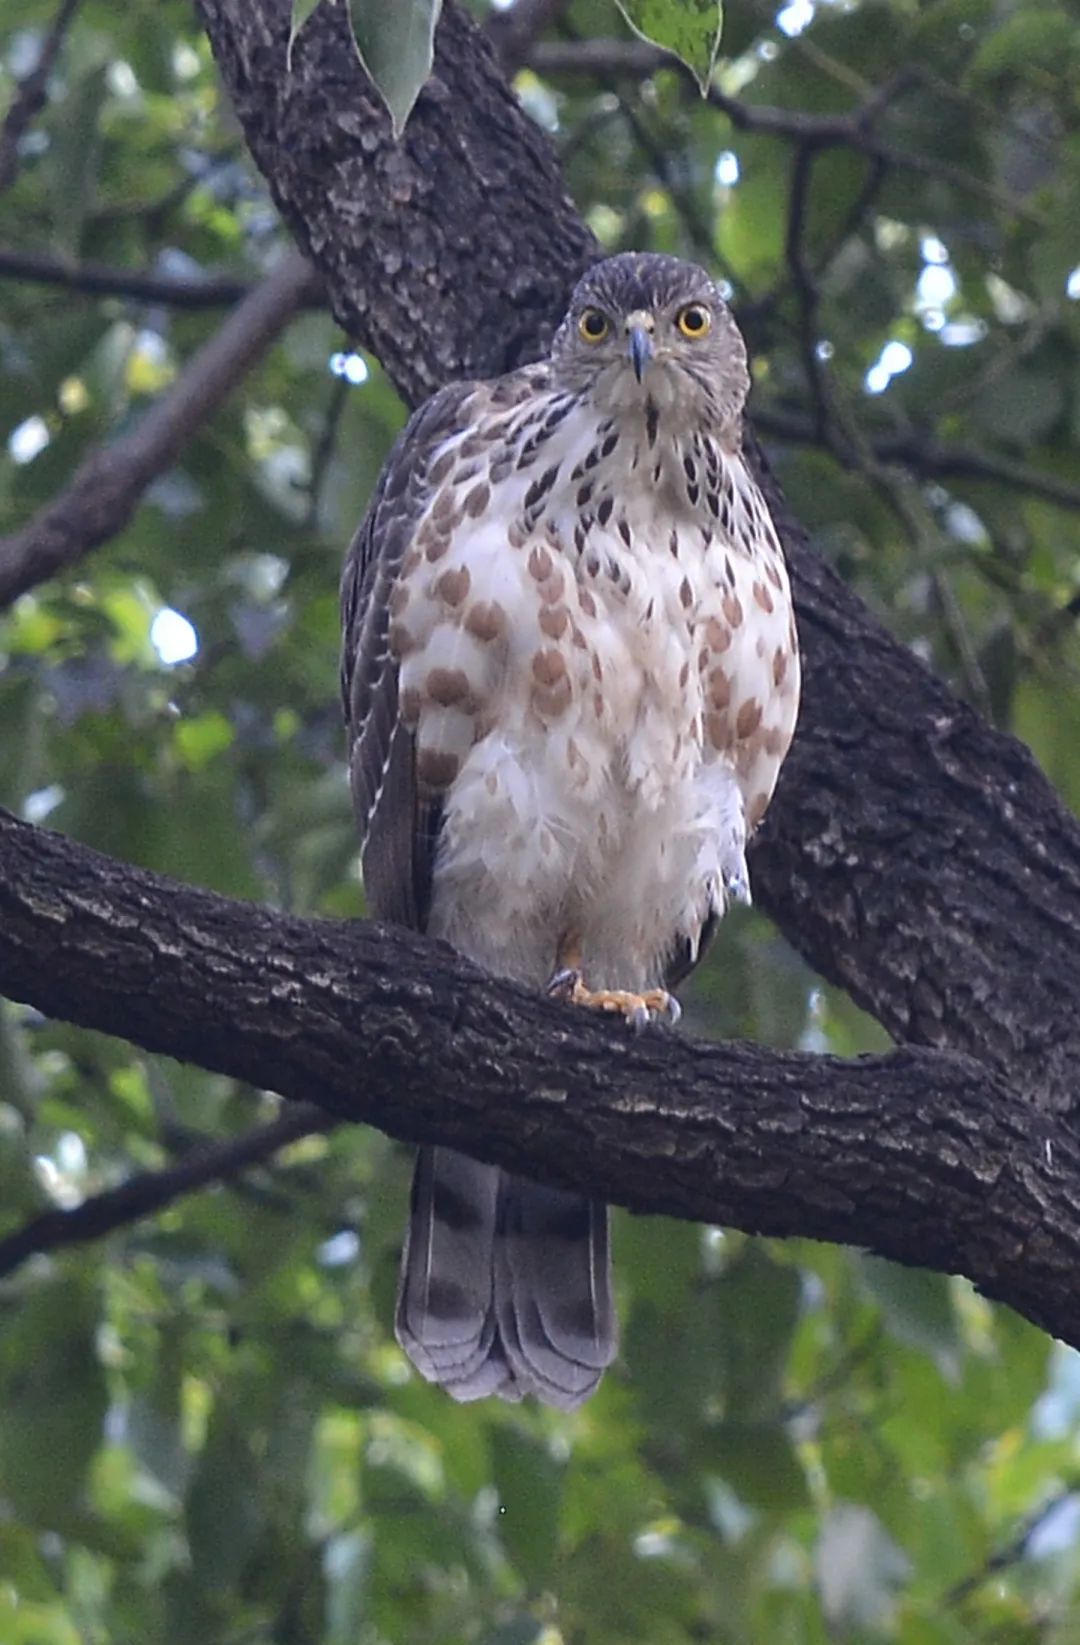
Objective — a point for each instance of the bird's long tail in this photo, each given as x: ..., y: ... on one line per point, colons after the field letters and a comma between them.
x: 505, y: 1285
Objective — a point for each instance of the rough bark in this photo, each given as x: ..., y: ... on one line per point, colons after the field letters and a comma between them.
x: 917, y: 1154
x: 913, y: 854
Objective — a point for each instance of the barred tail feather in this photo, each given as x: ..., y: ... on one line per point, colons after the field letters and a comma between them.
x: 505, y: 1284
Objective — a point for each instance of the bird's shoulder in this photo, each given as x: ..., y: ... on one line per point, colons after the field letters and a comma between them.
x: 406, y: 483
x: 410, y: 478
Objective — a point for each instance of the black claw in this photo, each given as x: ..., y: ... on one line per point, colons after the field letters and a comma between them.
x: 562, y: 983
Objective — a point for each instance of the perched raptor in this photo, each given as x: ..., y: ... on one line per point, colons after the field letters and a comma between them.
x: 571, y: 675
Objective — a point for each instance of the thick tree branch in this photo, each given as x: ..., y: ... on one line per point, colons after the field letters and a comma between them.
x: 918, y: 1154
x: 108, y: 486
x: 913, y: 854
x: 150, y: 1191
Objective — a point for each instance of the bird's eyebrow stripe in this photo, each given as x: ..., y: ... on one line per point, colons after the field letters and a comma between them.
x: 630, y: 295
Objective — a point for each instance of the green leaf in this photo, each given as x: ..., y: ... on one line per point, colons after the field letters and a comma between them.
x: 203, y: 737
x: 751, y: 228
x: 301, y: 11
x: 224, y: 1505
x: 529, y: 1482
x: 396, y: 45
x: 1024, y: 406
x: 754, y: 1308
x: 52, y: 1401
x: 759, y: 1462
x: 75, y: 157
x: 1036, y: 37
x: 918, y: 1309
x: 689, y: 28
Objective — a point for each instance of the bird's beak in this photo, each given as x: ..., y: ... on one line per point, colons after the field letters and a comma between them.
x: 640, y: 344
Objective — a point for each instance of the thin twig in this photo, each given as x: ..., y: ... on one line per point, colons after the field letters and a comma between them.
x: 843, y: 435
x: 852, y: 130
x: 1013, y: 1550
x: 153, y: 214
x: 753, y: 310
x: 698, y: 229
x: 927, y: 457
x: 903, y: 495
x: 875, y: 176
x: 107, y: 280
x: 979, y: 383
x: 152, y: 1191
x: 31, y: 92
x: 956, y: 626
x: 514, y: 32
x: 806, y: 286
x: 324, y: 447
x: 1049, y: 631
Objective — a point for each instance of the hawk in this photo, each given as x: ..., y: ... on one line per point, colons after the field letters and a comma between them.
x: 570, y: 674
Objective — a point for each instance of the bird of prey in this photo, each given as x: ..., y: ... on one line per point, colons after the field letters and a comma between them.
x: 571, y: 674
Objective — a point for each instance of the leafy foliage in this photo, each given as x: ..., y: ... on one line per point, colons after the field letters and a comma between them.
x: 396, y: 44
x: 689, y: 28
x: 206, y: 1431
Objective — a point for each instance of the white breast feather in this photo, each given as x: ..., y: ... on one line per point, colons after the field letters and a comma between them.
x: 591, y: 790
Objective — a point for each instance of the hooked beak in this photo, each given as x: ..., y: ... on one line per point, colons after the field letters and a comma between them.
x: 641, y: 349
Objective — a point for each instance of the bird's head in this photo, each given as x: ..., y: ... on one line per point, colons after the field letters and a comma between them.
x: 643, y: 327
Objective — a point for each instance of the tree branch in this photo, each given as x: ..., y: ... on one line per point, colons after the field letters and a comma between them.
x: 806, y: 286
x: 931, y: 459
x: 515, y: 31
x: 107, y: 487
x: 919, y: 1155
x: 30, y: 93
x: 1017, y: 1547
x: 151, y: 1191
x: 638, y: 60
x: 139, y: 285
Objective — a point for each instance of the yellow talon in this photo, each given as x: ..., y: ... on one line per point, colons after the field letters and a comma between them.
x: 638, y: 1009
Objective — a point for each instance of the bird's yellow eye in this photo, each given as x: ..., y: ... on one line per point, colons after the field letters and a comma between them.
x: 594, y: 325
x: 694, y: 320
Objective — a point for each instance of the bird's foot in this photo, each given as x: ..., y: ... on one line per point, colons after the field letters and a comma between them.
x: 652, y: 1005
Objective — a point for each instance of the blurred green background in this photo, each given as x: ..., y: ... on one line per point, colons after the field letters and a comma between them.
x: 207, y: 1432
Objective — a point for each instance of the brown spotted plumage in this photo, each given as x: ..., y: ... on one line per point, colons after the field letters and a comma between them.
x: 571, y: 676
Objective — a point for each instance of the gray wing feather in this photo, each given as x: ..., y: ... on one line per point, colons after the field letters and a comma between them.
x: 398, y: 832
